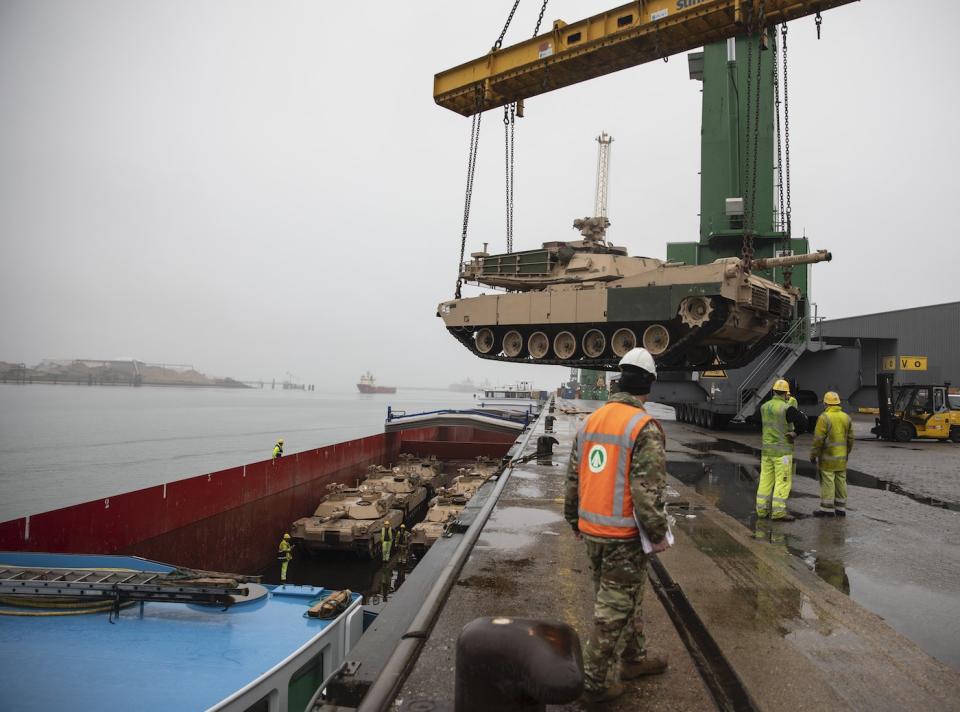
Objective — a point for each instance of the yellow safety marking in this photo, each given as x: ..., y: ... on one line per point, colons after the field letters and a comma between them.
x: 913, y: 363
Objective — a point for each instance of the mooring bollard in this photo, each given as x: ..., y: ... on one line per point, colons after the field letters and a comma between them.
x: 517, y: 664
x: 545, y: 445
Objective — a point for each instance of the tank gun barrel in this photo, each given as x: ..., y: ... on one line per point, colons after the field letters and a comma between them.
x: 809, y: 258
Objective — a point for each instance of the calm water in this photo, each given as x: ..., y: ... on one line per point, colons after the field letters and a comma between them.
x: 60, y: 445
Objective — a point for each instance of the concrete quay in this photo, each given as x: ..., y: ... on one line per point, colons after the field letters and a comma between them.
x: 751, y: 616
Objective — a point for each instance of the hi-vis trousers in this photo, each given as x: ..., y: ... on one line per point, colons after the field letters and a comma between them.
x: 776, y: 479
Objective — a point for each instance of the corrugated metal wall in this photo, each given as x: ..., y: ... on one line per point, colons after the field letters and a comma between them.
x: 932, y: 331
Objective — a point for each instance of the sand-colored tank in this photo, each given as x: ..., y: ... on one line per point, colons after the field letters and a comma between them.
x: 465, y: 484
x: 348, y: 520
x: 586, y: 303
x: 409, y: 496
x: 428, y: 469
x: 443, y: 511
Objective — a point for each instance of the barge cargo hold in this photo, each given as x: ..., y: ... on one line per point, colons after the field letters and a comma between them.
x: 231, y: 520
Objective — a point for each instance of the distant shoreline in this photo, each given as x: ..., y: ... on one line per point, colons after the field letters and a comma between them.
x: 115, y: 384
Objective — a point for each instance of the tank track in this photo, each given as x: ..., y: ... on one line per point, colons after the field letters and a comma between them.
x: 667, y: 361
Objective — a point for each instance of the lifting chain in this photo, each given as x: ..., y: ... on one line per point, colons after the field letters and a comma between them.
x: 543, y: 9
x: 753, y: 131
x: 819, y: 21
x: 509, y: 121
x: 471, y: 170
x: 786, y: 132
x: 499, y: 43
x: 781, y: 217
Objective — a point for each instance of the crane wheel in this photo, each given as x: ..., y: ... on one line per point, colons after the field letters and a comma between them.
x: 594, y: 343
x: 484, y: 340
x: 564, y: 345
x: 512, y: 344
x: 538, y: 344
x: 955, y: 434
x: 623, y: 340
x: 656, y: 339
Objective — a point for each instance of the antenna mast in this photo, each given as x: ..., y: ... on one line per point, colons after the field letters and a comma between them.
x: 603, y: 174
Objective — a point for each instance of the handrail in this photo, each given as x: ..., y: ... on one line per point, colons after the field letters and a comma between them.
x: 772, y: 359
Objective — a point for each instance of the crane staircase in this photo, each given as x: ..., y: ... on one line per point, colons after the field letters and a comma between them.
x: 772, y: 365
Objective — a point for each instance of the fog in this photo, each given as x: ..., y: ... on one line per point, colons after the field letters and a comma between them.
x: 258, y: 188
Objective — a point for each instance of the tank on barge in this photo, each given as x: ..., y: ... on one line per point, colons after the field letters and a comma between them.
x: 586, y: 303
x: 443, y: 511
x: 409, y: 495
x: 348, y: 519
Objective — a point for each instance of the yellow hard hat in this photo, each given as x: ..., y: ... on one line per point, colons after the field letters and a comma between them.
x: 831, y: 398
x: 280, y: 440
x: 286, y: 536
x: 781, y: 386
x: 403, y: 526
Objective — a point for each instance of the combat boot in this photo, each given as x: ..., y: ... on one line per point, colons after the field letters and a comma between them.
x: 611, y: 693
x: 645, y: 666
x: 823, y: 513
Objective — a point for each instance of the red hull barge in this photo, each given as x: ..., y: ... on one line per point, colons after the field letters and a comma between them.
x: 365, y: 388
x: 231, y: 520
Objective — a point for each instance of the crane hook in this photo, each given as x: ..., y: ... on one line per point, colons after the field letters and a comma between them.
x: 819, y: 21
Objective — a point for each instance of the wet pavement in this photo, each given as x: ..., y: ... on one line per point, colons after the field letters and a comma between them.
x: 896, y: 553
x: 785, y: 605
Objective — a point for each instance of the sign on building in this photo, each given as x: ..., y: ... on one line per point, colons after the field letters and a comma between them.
x: 913, y: 363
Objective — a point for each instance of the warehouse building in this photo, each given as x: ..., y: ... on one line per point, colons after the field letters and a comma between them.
x: 920, y: 345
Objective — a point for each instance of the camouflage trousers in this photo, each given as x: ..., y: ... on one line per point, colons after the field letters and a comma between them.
x: 619, y: 571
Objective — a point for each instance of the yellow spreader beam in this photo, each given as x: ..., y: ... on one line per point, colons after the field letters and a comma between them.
x: 623, y: 37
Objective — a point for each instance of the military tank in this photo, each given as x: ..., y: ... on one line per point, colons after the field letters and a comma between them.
x: 409, y: 495
x: 586, y: 303
x: 348, y: 519
x: 428, y: 469
x: 443, y: 511
x: 465, y: 484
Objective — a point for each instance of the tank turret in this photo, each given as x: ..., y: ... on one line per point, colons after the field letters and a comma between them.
x: 585, y: 303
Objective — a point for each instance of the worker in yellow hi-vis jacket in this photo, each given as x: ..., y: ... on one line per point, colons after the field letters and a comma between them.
x: 285, y: 555
x: 780, y: 421
x: 832, y: 443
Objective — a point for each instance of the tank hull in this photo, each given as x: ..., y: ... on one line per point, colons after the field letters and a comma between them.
x: 585, y: 304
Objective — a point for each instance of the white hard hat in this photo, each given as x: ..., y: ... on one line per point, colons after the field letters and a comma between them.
x: 640, y: 358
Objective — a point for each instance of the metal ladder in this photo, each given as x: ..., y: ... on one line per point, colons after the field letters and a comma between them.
x: 772, y: 365
x: 115, y: 585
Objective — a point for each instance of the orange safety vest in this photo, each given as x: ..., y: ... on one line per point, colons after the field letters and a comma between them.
x: 605, y: 449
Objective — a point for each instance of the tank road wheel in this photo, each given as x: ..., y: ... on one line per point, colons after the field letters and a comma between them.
x: 623, y: 340
x: 695, y: 311
x: 564, y: 345
x: 656, y: 339
x: 594, y: 343
x: 538, y: 344
x: 512, y: 344
x: 483, y: 340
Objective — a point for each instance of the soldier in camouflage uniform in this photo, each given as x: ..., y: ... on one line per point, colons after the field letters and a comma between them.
x: 617, y: 559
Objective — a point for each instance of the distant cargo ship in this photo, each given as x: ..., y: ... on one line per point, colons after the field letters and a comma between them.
x: 465, y: 386
x: 368, y: 384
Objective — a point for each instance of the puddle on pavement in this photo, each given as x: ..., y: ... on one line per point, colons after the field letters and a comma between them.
x: 731, y: 488
x: 513, y: 528
x: 806, y: 469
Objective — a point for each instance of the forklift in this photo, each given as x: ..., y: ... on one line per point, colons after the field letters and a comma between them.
x: 915, y: 411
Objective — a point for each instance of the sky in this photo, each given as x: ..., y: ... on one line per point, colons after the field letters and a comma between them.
x: 267, y: 188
